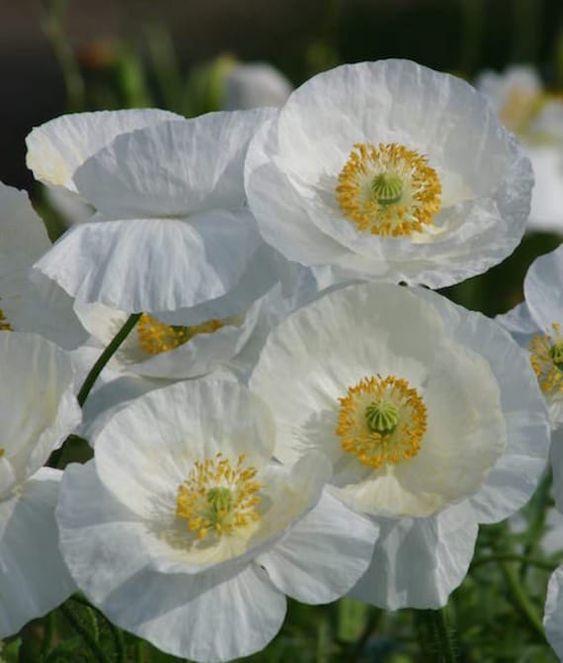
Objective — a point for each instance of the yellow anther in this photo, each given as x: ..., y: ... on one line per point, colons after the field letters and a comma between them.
x: 4, y: 324
x: 219, y: 496
x: 381, y: 420
x: 156, y: 336
x: 547, y: 359
x: 388, y: 190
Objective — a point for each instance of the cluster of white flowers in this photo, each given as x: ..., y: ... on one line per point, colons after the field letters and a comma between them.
x: 292, y: 412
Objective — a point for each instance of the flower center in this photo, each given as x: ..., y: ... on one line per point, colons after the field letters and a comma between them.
x: 547, y: 359
x: 388, y: 190
x: 155, y: 336
x: 219, y: 496
x: 381, y: 420
x: 4, y: 324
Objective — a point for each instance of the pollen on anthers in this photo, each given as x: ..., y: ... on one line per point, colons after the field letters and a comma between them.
x: 381, y: 421
x: 388, y: 190
x: 156, y: 337
x: 547, y: 359
x: 219, y: 496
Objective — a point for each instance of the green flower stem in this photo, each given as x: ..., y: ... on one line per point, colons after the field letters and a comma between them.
x: 117, y: 635
x: 530, y: 561
x: 106, y: 355
x: 84, y: 634
x: 520, y: 600
x: 436, y: 636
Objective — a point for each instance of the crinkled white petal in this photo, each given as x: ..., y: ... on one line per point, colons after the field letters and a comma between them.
x: 543, y: 288
x: 514, y: 477
x: 37, y: 404
x: 149, y: 447
x: 57, y: 148
x: 23, y: 239
x: 553, y: 612
x: 172, y: 169
x: 323, y: 555
x: 264, y: 268
x: 153, y: 264
x: 520, y: 324
x: 418, y: 562
x: 68, y: 205
x: 33, y: 576
x: 42, y: 307
x: 293, y: 167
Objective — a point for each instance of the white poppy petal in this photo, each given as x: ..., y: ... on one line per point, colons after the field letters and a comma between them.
x: 303, y: 564
x: 153, y: 264
x: 172, y: 169
x: 418, y: 562
x: 57, y: 148
x: 542, y: 288
x: 33, y: 577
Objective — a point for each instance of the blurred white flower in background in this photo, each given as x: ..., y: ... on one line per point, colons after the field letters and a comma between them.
x: 535, y: 115
x: 430, y: 414
x: 365, y: 174
x: 254, y: 84
x: 183, y: 530
x: 38, y: 410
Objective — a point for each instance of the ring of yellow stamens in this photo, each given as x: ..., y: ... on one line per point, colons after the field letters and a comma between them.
x: 219, y: 496
x: 388, y: 190
x: 381, y: 420
x: 155, y: 336
x: 547, y: 359
x: 4, y: 324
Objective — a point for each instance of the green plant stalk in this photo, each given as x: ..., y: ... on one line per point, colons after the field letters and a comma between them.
x: 84, y: 634
x: 520, y: 600
x: 106, y: 355
x: 436, y: 637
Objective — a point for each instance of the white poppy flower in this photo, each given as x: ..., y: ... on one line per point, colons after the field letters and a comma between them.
x: 171, y: 229
x: 537, y: 325
x: 431, y: 417
x: 183, y: 531
x: 38, y: 412
x: 37, y: 305
x: 536, y: 116
x: 389, y: 171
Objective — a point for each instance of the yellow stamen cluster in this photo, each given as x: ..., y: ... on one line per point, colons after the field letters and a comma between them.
x: 547, y: 359
x: 388, y: 190
x: 156, y: 336
x: 381, y: 420
x: 2, y: 452
x: 4, y: 324
x: 219, y: 496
